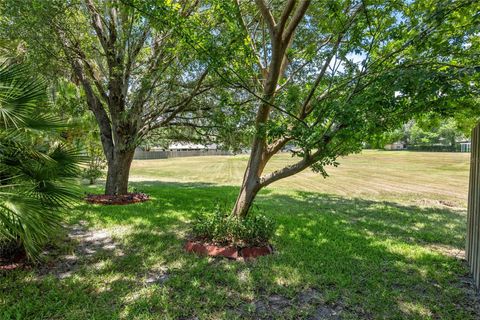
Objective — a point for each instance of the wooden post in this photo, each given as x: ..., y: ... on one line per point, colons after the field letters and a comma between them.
x: 473, y: 219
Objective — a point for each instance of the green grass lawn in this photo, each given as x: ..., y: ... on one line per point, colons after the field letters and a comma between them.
x: 406, y: 177
x: 382, y: 238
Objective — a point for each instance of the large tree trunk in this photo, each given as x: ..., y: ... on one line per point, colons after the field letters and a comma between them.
x: 118, y: 172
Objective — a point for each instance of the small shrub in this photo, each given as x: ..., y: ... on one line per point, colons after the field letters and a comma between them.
x: 221, y: 228
x: 96, y: 164
x: 92, y: 174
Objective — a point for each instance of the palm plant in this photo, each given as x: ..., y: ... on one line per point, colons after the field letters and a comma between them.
x: 36, y: 169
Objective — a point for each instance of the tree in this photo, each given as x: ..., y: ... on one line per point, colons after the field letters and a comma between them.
x: 325, y: 77
x: 427, y: 131
x: 444, y: 133
x: 135, y: 78
x: 36, y: 169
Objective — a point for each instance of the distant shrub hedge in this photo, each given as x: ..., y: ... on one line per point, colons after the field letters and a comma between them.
x: 434, y: 148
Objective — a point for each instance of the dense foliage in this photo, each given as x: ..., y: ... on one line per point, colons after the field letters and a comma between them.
x: 37, y: 170
x: 325, y: 76
x: 96, y: 164
x: 69, y: 103
x: 424, y: 135
x: 135, y: 78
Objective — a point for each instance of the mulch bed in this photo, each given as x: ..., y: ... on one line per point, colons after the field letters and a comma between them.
x: 15, y: 261
x: 128, y: 198
x: 230, y: 252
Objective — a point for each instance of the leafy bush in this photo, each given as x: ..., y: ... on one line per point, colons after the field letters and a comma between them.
x: 434, y: 148
x: 96, y: 158
x: 222, y: 228
x: 92, y: 173
x: 95, y: 165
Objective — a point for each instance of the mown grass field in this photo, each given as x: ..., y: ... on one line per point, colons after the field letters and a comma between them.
x: 382, y: 238
x: 413, y: 177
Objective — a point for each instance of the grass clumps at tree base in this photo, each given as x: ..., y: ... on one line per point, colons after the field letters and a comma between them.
x: 222, y: 229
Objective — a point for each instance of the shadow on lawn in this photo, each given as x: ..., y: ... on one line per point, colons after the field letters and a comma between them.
x: 364, y: 259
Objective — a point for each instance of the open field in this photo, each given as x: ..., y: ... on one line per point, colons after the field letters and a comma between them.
x: 414, y: 177
x: 382, y: 238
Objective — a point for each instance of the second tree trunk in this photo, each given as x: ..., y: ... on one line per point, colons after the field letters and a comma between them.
x: 118, y: 172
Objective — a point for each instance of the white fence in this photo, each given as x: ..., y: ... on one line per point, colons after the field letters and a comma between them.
x: 465, y: 147
x: 150, y: 155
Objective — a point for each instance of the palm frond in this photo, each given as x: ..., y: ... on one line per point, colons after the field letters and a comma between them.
x: 36, y: 174
x: 19, y: 95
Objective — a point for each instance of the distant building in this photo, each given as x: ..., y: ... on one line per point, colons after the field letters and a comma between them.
x: 396, y: 146
x: 180, y: 150
x: 177, y: 146
x: 291, y: 148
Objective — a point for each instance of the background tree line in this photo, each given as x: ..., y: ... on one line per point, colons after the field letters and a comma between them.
x: 427, y: 134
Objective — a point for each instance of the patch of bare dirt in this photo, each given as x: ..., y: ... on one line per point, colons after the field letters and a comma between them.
x: 447, y: 203
x: 472, y: 303
x: 439, y: 203
x: 275, y: 306
x: 448, y: 251
x: 86, y: 243
x: 158, y: 277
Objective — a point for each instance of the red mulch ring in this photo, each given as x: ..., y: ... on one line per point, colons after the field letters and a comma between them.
x: 106, y: 199
x: 16, y: 261
x: 229, y: 252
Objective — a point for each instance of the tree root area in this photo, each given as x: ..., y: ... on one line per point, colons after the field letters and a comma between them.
x: 121, y: 199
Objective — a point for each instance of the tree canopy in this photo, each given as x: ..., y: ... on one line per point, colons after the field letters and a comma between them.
x: 325, y: 77
x: 135, y: 77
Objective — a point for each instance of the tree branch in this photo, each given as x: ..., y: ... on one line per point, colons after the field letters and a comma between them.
x: 301, y: 165
x: 285, y: 15
x: 181, y: 106
x: 267, y: 16
x: 96, y: 22
x: 95, y: 105
x: 295, y: 21
x: 252, y: 45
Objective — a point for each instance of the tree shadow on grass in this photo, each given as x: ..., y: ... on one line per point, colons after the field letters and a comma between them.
x: 361, y: 259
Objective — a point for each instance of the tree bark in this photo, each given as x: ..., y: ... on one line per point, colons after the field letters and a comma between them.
x: 244, y: 200
x: 118, y: 172
x: 248, y: 191
x: 251, y: 178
